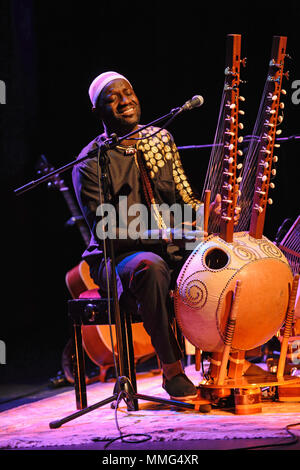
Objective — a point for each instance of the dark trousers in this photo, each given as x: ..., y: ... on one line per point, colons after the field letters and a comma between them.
x: 146, y: 279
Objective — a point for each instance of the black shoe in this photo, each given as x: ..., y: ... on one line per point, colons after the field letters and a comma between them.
x: 180, y: 387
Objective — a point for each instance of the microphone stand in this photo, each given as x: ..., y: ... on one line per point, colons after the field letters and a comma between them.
x: 123, y: 387
x: 107, y: 144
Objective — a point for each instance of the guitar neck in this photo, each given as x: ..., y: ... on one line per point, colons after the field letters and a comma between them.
x: 46, y: 169
x: 267, y: 137
x: 76, y: 214
x: 229, y: 185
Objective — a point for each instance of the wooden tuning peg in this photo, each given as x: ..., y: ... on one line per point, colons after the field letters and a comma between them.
x: 258, y: 208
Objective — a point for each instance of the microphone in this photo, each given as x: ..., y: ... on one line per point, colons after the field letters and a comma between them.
x: 195, y: 102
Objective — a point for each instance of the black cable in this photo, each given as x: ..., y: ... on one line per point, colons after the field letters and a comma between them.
x: 147, y: 437
x: 294, y: 440
x: 122, y: 394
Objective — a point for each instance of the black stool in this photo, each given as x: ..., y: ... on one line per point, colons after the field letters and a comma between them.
x: 95, y: 311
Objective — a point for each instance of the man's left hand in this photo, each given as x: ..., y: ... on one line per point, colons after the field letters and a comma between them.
x: 215, y: 209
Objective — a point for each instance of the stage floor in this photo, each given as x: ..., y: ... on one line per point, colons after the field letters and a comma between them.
x: 158, y: 427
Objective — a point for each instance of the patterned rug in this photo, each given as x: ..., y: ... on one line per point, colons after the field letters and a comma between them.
x: 27, y: 426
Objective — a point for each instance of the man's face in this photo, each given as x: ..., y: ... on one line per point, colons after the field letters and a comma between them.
x: 119, y: 107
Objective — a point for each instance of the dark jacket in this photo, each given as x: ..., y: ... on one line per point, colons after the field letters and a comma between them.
x: 168, y: 181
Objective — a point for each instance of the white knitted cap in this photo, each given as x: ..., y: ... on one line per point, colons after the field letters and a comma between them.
x: 100, y: 82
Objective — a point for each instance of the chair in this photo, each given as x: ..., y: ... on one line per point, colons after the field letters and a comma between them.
x: 91, y: 309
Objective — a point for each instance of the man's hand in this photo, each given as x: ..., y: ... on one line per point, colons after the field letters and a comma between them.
x: 237, y: 213
x: 187, y: 232
x: 189, y: 227
x: 215, y: 209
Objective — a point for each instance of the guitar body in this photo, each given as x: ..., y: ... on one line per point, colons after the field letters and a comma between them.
x: 96, y: 338
x: 79, y: 280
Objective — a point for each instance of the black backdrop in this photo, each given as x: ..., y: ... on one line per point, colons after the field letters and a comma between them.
x: 169, y: 51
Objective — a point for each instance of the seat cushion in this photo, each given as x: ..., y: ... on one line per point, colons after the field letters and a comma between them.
x: 90, y: 294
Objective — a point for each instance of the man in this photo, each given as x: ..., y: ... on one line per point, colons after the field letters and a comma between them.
x: 144, y: 169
